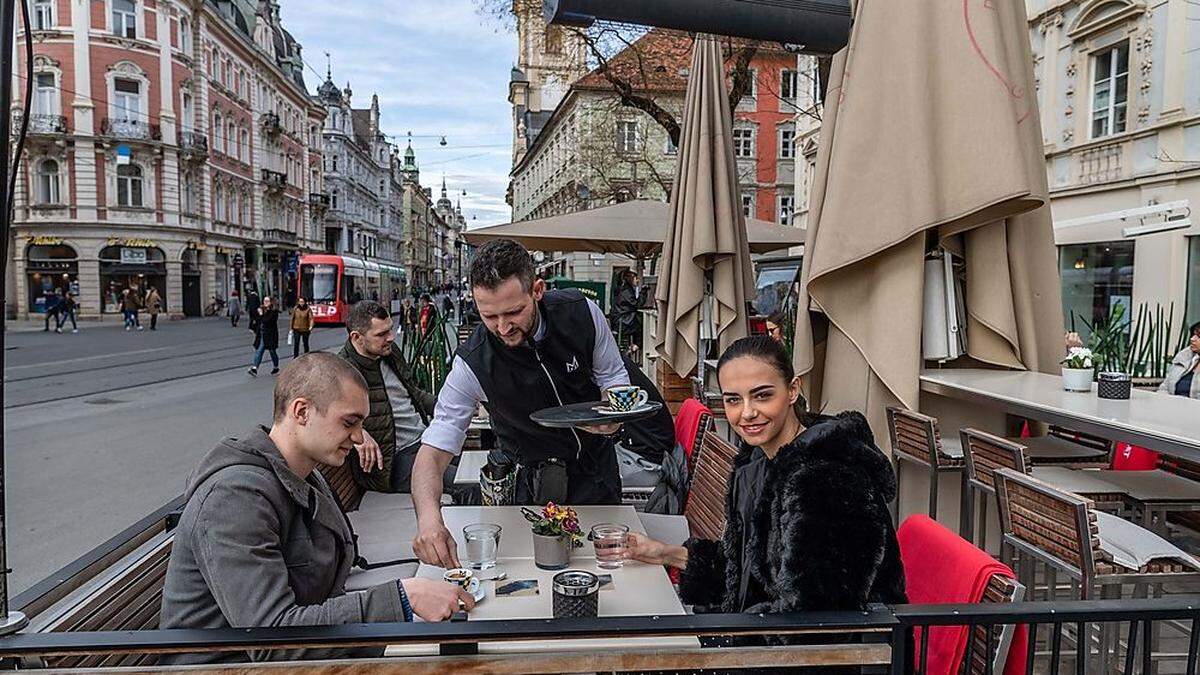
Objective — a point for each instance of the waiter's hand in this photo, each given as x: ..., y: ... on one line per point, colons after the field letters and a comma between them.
x: 434, y: 545
x: 369, y: 453
x: 602, y: 429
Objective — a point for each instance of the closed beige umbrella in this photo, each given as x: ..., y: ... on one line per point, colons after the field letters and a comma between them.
x: 931, y: 137
x: 706, y: 242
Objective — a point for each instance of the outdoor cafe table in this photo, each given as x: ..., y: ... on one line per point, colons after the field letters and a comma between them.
x: 1167, y: 424
x: 637, y: 589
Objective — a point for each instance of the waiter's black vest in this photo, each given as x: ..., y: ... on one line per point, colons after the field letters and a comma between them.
x: 520, y: 381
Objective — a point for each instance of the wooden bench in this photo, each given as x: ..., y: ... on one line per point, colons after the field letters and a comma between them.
x: 348, y: 492
x: 712, y: 466
x: 128, y: 596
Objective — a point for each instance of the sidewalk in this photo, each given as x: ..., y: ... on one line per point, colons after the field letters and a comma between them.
x: 109, y: 322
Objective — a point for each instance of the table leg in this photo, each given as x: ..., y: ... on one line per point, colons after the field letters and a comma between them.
x: 966, y: 509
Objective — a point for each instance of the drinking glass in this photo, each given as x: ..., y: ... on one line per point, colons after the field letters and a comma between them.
x: 482, y: 541
x: 610, y: 540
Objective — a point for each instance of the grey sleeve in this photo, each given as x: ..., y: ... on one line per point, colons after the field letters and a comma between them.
x: 608, y: 370
x: 237, y: 543
x: 457, y: 402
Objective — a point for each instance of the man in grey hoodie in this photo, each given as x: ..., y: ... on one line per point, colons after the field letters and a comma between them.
x: 262, y: 542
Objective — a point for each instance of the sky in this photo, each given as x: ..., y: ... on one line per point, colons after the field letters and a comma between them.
x: 440, y: 68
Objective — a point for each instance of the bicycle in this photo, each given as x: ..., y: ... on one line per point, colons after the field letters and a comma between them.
x: 215, y: 307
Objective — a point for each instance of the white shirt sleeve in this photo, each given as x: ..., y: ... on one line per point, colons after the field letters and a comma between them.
x: 608, y: 369
x: 457, y: 403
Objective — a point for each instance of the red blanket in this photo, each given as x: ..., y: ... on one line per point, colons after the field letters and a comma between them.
x: 940, y: 567
x: 686, y: 423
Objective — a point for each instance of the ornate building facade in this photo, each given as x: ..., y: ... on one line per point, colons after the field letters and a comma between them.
x: 172, y: 145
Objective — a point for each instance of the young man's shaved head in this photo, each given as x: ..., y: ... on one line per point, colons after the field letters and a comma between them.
x: 317, y: 377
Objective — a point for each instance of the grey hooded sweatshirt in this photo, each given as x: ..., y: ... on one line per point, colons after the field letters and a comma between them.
x: 258, y: 546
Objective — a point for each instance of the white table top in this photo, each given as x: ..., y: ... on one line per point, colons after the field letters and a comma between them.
x: 470, y: 462
x: 637, y: 589
x: 1168, y: 424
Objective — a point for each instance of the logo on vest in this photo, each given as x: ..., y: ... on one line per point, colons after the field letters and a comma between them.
x: 573, y: 364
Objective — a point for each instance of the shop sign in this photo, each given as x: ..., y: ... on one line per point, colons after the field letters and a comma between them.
x: 124, y: 154
x: 292, y: 263
x: 142, y: 243
x: 43, y: 240
x: 197, y: 246
x: 133, y: 256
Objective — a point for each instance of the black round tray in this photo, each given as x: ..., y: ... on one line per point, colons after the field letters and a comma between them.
x: 585, y: 414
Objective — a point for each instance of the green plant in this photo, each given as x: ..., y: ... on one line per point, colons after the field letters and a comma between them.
x: 1140, y: 348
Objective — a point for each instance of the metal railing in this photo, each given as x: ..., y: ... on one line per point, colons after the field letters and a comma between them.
x: 41, y: 124
x: 133, y: 130
x: 193, y: 141
x: 271, y: 124
x: 319, y: 200
x: 274, y: 180
x: 278, y: 236
x: 881, y: 636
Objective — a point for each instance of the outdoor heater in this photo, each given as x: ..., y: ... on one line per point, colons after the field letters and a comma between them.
x: 820, y: 27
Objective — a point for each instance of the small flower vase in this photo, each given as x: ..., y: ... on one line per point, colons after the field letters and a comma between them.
x: 551, y: 552
x: 1077, y: 379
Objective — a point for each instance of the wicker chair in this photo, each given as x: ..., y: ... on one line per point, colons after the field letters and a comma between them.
x: 1059, y: 529
x: 915, y: 439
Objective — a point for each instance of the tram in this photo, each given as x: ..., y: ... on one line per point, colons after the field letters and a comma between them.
x: 331, y: 283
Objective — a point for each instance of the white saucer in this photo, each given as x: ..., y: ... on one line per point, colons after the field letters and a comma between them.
x: 606, y: 410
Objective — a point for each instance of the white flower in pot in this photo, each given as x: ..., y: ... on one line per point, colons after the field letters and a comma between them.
x: 1077, y: 369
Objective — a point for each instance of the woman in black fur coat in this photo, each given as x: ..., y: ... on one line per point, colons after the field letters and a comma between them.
x: 807, y: 522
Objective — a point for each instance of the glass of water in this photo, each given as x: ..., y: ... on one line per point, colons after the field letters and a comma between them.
x: 482, y: 541
x: 610, y: 540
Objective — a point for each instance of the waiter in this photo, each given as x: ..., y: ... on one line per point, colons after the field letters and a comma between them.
x: 535, y: 349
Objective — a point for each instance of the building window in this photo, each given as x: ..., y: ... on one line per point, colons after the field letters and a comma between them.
x: 45, y: 101
x: 47, y: 182
x: 815, y: 81
x: 1110, y: 90
x: 333, y: 162
x: 787, y: 143
x: 748, y: 204
x: 333, y: 199
x: 129, y: 185
x: 189, y: 192
x: 752, y: 92
x: 554, y: 40
x: 188, y: 113
x: 231, y: 138
x: 185, y: 36
x: 786, y: 207
x: 212, y: 63
x: 627, y: 136
x: 672, y: 146
x: 244, y: 146
x: 218, y: 128
x: 1095, y: 278
x: 127, y: 101
x: 788, y: 81
x: 124, y: 18
x: 43, y: 14
x: 743, y: 143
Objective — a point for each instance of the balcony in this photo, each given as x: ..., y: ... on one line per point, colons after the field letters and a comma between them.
x: 44, y: 125
x: 275, y: 181
x: 194, y: 145
x: 319, y: 201
x: 130, y: 130
x: 271, y: 125
x: 278, y: 237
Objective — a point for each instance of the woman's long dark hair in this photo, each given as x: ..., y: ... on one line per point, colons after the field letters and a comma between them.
x: 769, y: 351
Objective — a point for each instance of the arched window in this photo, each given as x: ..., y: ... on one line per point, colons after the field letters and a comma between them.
x: 47, y: 182
x: 245, y: 146
x: 185, y: 36
x: 218, y: 201
x: 216, y: 133
x: 129, y: 185
x: 232, y: 139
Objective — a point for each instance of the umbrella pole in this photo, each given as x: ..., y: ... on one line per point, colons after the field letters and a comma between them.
x: 10, y: 622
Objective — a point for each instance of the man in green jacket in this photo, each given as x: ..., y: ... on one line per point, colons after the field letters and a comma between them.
x: 400, y: 410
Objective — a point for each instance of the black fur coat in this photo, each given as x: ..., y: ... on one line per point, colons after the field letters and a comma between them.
x: 819, y: 536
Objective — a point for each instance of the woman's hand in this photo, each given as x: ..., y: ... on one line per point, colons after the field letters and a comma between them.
x: 641, y: 548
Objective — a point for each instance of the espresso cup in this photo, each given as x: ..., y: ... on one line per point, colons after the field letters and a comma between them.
x: 627, y: 397
x: 459, y: 576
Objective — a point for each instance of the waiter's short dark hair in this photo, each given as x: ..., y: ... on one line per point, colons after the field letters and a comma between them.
x: 360, y: 314
x: 500, y: 260
x: 1194, y: 330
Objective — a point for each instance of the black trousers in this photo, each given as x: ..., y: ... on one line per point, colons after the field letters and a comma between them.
x: 296, y: 338
x: 402, y: 466
x: 154, y: 321
x: 593, y: 479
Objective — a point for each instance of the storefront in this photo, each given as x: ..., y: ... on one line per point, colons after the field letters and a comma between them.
x: 50, y: 267
x: 190, y: 269
x: 221, y: 280
x: 134, y: 264
x: 1095, y: 278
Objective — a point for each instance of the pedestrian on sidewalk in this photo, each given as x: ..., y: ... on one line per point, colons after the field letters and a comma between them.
x: 235, y: 309
x: 267, y: 337
x: 302, y: 325
x: 53, y: 300
x: 154, y: 306
x: 67, y: 311
x: 131, y: 303
x: 252, y: 307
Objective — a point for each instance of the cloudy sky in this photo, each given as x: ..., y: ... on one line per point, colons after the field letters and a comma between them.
x: 440, y: 68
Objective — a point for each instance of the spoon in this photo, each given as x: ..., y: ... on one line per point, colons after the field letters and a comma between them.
x: 499, y: 577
